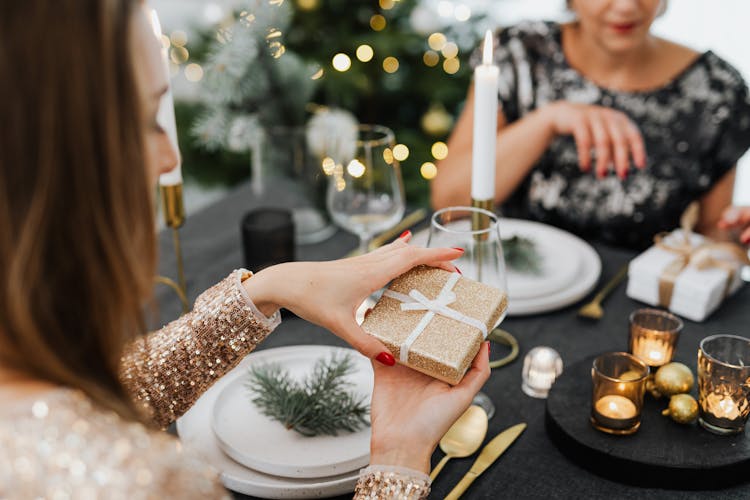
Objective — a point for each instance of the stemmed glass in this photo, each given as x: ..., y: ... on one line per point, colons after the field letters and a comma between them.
x: 366, y: 194
x: 477, y: 232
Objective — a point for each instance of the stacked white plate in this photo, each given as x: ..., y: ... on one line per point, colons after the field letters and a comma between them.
x: 259, y: 456
x: 570, y: 268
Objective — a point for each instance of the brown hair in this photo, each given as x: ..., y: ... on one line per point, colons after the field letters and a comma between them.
x: 77, y: 242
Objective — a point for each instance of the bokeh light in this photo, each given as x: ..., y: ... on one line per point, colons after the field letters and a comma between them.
x: 341, y: 62
x: 428, y: 170
x: 451, y: 66
x: 431, y: 58
x: 365, y: 53
x: 390, y: 64
x: 377, y: 22
x: 400, y: 152
x: 193, y: 72
x: 450, y: 50
x: 439, y: 150
x: 356, y: 169
x: 436, y: 41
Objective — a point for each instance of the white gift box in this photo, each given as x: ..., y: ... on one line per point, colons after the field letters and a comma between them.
x: 697, y: 291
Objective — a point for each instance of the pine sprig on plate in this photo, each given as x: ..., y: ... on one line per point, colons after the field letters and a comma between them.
x: 521, y: 255
x: 321, y: 403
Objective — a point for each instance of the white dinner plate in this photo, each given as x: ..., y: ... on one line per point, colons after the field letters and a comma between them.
x: 194, y: 429
x: 570, y: 268
x: 266, y: 445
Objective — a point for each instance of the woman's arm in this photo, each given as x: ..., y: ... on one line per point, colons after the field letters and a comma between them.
x: 167, y: 371
x: 614, y: 138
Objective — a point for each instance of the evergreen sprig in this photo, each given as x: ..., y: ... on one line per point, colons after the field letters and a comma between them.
x: 522, y: 255
x: 321, y: 403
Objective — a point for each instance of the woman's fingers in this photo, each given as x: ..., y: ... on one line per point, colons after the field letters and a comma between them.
x: 745, y: 236
x: 636, y: 144
x: 602, y: 143
x: 615, y: 125
x: 366, y: 344
x: 479, y: 372
x: 582, y: 136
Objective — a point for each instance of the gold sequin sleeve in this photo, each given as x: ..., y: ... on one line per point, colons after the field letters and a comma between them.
x: 170, y: 369
x: 379, y: 482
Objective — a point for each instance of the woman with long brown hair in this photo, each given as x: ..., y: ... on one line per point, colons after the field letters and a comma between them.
x: 83, y: 386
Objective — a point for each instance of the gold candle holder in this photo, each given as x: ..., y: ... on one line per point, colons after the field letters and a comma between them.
x: 619, y: 382
x: 724, y: 383
x: 173, y: 209
x: 653, y: 335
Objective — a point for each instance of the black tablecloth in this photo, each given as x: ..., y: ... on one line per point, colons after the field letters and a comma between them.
x: 533, y: 467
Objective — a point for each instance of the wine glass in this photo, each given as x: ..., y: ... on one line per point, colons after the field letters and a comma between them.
x: 366, y: 194
x: 477, y: 232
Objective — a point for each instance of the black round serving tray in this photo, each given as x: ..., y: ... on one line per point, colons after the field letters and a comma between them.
x: 660, y: 454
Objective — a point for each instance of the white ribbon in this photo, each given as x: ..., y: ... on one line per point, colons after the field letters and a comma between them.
x: 416, y: 301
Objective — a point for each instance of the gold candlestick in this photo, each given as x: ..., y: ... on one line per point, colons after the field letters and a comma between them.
x: 174, y: 217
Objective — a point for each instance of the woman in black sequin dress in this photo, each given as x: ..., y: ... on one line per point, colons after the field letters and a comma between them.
x: 607, y: 130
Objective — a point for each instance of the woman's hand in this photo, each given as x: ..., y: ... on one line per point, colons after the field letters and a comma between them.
x: 737, y: 218
x: 410, y: 412
x: 612, y: 135
x: 329, y: 293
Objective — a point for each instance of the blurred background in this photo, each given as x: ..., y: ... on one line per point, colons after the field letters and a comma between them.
x: 246, y: 69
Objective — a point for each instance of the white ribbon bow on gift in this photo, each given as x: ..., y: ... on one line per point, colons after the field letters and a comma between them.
x: 416, y: 301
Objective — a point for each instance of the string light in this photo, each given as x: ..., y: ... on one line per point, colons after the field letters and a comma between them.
x: 165, y: 43
x: 365, y: 53
x: 193, y: 72
x: 328, y: 165
x: 439, y: 150
x: 390, y: 64
x: 436, y: 41
x: 388, y: 156
x: 341, y: 62
x: 307, y: 4
x: 179, y: 55
x: 450, y: 50
x: 451, y: 66
x: 318, y: 74
x: 386, y: 4
x: 428, y: 170
x: 377, y: 22
x: 462, y: 12
x: 400, y: 152
x: 356, y: 169
x: 431, y: 58
x: 178, y: 38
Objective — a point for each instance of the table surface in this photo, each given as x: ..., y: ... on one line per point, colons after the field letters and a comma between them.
x: 532, y: 467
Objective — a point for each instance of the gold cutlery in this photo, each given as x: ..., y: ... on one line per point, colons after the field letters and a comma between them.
x: 487, y: 457
x: 463, y: 438
x: 410, y: 220
x: 593, y: 309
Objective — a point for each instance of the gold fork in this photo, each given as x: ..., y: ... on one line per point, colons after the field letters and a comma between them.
x: 593, y: 309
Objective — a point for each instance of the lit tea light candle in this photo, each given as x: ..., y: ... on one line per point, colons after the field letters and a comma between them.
x: 617, y: 407
x: 653, y: 351
x: 722, y: 406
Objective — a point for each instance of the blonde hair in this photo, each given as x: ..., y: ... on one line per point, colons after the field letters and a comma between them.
x: 77, y: 242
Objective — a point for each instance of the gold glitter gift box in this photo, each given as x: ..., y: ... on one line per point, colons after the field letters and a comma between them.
x: 433, y: 320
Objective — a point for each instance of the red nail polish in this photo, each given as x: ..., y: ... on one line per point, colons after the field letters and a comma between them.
x: 459, y: 271
x: 405, y: 234
x: 459, y: 249
x: 386, y: 358
x: 488, y: 348
x: 746, y: 240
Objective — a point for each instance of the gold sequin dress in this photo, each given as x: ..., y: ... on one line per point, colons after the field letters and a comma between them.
x: 59, y: 445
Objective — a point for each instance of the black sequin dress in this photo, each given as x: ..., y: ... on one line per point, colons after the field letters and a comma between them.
x: 695, y: 129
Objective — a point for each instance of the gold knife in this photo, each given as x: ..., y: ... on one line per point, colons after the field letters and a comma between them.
x: 410, y: 220
x: 487, y: 457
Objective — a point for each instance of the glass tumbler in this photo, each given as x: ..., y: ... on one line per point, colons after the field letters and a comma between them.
x: 724, y: 383
x: 619, y: 381
x: 653, y: 335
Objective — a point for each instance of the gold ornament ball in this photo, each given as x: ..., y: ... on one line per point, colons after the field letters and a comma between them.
x: 683, y: 409
x: 673, y: 378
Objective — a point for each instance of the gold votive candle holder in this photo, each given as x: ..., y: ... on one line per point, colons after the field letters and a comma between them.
x: 653, y: 335
x: 724, y: 383
x: 619, y: 381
